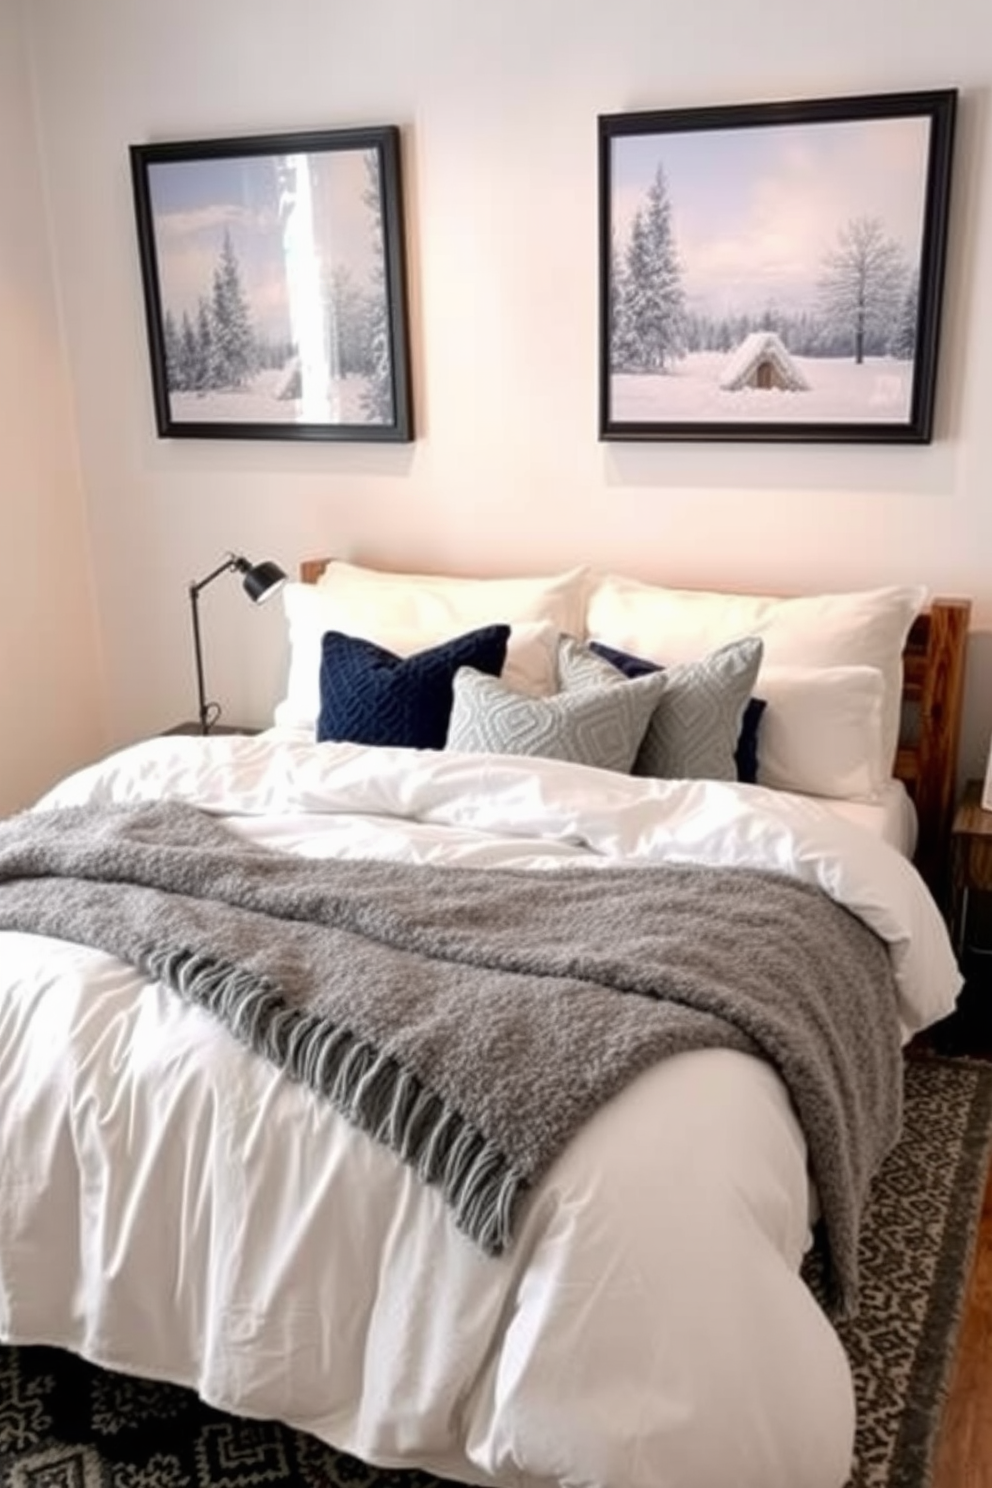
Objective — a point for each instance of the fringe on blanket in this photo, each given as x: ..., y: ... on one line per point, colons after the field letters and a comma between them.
x: 366, y: 1086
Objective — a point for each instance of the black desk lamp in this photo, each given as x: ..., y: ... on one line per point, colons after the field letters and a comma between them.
x: 260, y: 582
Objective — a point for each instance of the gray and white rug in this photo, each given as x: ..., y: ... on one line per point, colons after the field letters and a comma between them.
x: 916, y: 1254
x: 66, y: 1424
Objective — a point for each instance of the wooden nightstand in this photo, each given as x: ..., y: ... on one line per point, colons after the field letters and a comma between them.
x: 971, y: 860
x: 218, y: 728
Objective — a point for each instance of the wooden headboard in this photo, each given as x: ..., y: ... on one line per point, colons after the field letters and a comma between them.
x: 933, y: 688
x: 933, y: 691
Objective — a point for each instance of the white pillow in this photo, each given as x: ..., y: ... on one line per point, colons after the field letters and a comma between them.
x: 311, y: 609
x: 863, y: 628
x: 434, y: 606
x: 822, y: 731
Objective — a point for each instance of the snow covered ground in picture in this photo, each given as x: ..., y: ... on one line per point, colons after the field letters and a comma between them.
x: 272, y: 284
x: 262, y: 398
x: 836, y: 389
x: 767, y: 273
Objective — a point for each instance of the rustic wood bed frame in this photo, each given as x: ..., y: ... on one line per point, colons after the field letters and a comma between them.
x: 933, y: 689
x: 933, y: 692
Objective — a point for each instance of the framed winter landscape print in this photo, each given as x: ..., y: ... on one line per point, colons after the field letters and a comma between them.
x: 274, y: 279
x: 774, y: 271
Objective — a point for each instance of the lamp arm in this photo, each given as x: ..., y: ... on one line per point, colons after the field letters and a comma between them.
x: 259, y: 581
x: 203, y: 711
x: 231, y: 564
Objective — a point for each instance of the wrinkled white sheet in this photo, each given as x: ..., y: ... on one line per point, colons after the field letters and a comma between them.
x: 172, y: 1206
x: 892, y: 817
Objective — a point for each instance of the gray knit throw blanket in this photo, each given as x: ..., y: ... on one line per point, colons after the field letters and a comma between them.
x: 472, y: 1019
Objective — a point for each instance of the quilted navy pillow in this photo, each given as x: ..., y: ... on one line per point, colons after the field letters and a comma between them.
x: 369, y: 695
x: 746, y: 753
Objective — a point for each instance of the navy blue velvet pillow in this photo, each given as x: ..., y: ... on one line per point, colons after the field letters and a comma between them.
x: 746, y: 753
x: 369, y: 695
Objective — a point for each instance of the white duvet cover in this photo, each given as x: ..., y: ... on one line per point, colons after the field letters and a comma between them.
x: 172, y: 1206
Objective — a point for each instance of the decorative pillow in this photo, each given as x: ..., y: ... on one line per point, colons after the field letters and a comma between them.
x: 862, y: 628
x: 746, y: 750
x: 368, y: 695
x: 822, y: 731
x: 312, y: 610
x: 601, y: 725
x: 694, y: 729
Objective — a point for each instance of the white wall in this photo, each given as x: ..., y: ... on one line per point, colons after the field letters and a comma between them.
x: 498, y: 107
x: 51, y: 701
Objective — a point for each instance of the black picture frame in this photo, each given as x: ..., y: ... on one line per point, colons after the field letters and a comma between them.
x: 273, y: 269
x: 722, y: 225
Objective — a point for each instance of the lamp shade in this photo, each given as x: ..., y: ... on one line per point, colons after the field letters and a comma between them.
x: 262, y: 580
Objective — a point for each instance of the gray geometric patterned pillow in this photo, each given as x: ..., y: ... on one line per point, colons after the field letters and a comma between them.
x: 696, y: 724
x: 600, y: 725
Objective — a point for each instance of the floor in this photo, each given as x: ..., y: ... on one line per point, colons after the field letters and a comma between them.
x: 964, y: 1457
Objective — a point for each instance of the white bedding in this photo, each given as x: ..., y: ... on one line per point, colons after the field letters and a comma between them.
x: 892, y: 817
x: 172, y: 1206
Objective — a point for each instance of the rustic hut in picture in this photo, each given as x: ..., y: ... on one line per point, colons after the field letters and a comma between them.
x: 762, y: 361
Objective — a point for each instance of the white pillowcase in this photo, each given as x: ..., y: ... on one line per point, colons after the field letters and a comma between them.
x: 408, y: 613
x: 434, y: 607
x: 822, y: 731
x: 863, y: 628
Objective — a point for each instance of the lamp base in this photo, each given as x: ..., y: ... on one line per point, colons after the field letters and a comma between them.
x: 192, y: 727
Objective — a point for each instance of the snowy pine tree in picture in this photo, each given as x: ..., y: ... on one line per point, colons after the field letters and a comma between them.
x: 903, y: 331
x: 774, y: 271
x: 274, y: 278
x: 650, y: 303
x: 377, y: 394
x: 235, y: 357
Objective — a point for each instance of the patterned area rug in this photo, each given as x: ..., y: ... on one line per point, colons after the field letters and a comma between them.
x: 916, y: 1254
x: 66, y: 1424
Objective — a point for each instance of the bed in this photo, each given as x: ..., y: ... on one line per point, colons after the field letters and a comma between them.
x: 501, y: 1268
